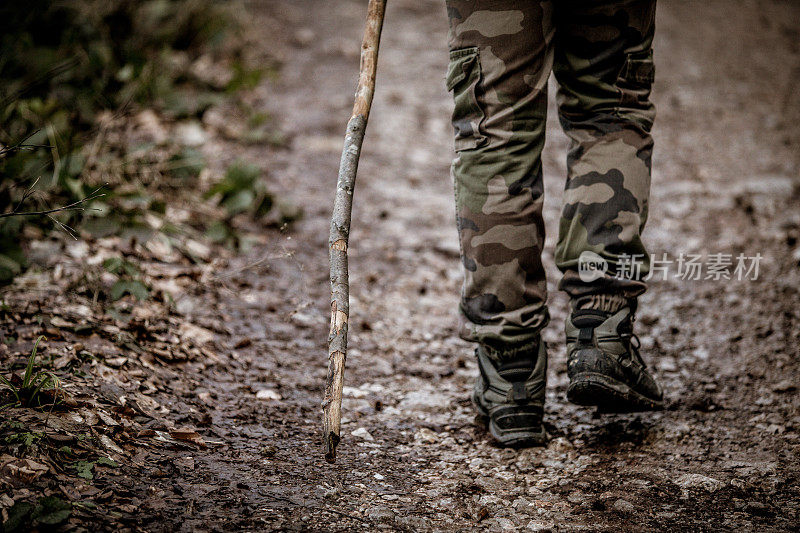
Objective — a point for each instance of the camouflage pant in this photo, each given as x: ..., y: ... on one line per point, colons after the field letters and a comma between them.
x: 501, y: 55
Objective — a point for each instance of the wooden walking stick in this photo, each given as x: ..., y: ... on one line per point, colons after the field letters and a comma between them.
x: 340, y: 229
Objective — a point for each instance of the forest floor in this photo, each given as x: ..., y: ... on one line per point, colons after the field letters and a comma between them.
x: 205, y: 415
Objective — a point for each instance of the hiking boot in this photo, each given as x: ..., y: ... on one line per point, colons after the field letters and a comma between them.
x: 510, y: 393
x: 603, y: 361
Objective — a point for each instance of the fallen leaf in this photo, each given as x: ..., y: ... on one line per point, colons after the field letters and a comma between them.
x: 195, y: 334
x: 188, y: 435
x: 243, y: 343
x: 116, y: 362
x: 59, y: 322
x: 106, y: 418
x: 24, y: 469
x: 109, y: 444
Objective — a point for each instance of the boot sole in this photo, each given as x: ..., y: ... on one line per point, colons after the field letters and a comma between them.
x: 510, y: 439
x: 609, y: 394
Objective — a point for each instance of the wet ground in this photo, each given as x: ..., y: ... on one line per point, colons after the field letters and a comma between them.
x: 723, y: 455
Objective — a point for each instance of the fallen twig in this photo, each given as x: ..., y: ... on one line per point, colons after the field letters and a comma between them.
x: 74, y: 206
x: 21, y: 145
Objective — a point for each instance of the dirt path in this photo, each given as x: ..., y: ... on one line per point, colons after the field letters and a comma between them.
x: 725, y: 452
x: 723, y: 455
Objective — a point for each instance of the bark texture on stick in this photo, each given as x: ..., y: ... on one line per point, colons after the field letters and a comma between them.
x: 340, y: 229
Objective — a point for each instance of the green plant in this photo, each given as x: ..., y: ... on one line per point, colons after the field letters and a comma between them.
x: 48, y: 511
x: 27, y: 391
x: 129, y: 281
x: 241, y: 191
x: 26, y: 438
x: 64, y: 63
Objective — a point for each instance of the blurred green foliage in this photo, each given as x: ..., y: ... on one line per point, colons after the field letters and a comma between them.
x: 241, y: 191
x: 65, y: 61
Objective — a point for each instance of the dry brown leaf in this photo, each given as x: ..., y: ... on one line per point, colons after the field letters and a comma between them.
x: 196, y: 334
x: 25, y: 469
x: 188, y: 435
x: 116, y: 362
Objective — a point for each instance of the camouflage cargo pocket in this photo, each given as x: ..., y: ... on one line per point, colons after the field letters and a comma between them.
x: 636, y: 79
x: 463, y: 78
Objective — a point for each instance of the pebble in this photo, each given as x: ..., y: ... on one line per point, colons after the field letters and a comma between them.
x: 268, y: 394
x: 490, y: 484
x: 699, y: 481
x: 623, y: 506
x: 505, y: 524
x: 426, y: 436
x: 541, y: 526
x: 424, y: 401
x: 576, y: 497
x: 523, y: 505
x: 304, y: 36
x: 362, y: 433
x: 381, y: 514
x: 190, y: 134
x: 352, y: 392
x: 786, y: 385
x: 304, y: 320
x: 560, y: 445
x: 758, y: 508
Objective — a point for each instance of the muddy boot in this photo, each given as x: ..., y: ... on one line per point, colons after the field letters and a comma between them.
x: 603, y: 361
x: 510, y: 393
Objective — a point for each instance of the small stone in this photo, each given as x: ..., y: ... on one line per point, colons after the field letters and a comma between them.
x: 379, y: 477
x: 190, y: 134
x: 765, y: 400
x: 77, y: 250
x: 425, y: 435
x: 699, y: 481
x: 475, y: 463
x: 152, y: 127
x: 268, y: 394
x: 623, y: 506
x: 576, y: 497
x: 560, y: 445
x: 381, y: 514
x: 505, y: 524
x: 304, y: 320
x: 786, y: 385
x: 775, y: 429
x: 541, y: 526
x: 362, y: 433
x: 523, y: 505
x: 757, y: 508
x: 304, y: 36
x: 492, y: 485
x: 488, y: 500
x: 352, y: 392
x: 424, y: 401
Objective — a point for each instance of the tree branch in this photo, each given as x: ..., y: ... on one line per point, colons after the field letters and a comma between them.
x: 74, y: 206
x: 22, y: 146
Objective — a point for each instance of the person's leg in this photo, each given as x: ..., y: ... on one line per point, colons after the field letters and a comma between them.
x: 500, y: 59
x: 604, y: 67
